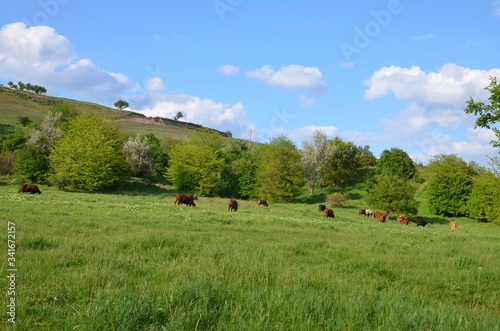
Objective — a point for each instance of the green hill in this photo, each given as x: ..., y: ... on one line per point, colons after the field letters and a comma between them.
x: 15, y: 103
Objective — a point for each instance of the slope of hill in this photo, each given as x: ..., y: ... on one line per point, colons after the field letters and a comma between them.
x: 15, y: 103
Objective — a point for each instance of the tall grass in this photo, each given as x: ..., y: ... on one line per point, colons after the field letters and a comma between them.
x: 137, y: 262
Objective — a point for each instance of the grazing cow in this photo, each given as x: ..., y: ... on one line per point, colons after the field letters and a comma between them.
x: 262, y: 202
x: 328, y: 213
x: 421, y: 221
x: 369, y: 212
x: 321, y: 207
x: 32, y: 188
x: 381, y: 216
x: 362, y: 212
x: 186, y: 199
x: 400, y: 218
x: 233, y: 205
x: 405, y: 221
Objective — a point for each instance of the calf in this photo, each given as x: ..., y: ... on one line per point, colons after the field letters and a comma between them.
x: 421, y: 221
x: 262, y: 202
x: 32, y: 188
x: 328, y: 213
x: 233, y: 205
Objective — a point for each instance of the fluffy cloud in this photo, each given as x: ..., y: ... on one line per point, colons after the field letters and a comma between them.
x: 228, y: 70
x: 40, y: 56
x: 155, y: 84
x: 306, y: 102
x: 451, y: 84
x: 202, y: 111
x: 292, y: 76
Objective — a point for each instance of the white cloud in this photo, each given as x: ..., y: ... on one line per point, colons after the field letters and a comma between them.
x: 306, y: 102
x: 307, y: 132
x: 228, y: 70
x: 40, y: 56
x: 206, y: 112
x: 292, y: 76
x: 423, y: 37
x: 155, y: 84
x: 451, y: 84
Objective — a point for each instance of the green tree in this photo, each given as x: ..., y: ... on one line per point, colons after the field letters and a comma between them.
x: 178, y: 115
x: 488, y: 114
x: 342, y: 163
x: 89, y: 156
x: 396, y: 162
x: 120, y: 104
x: 280, y: 173
x: 197, y: 165
x: 450, y: 183
x: 32, y: 164
x: 484, y: 199
x: 393, y: 194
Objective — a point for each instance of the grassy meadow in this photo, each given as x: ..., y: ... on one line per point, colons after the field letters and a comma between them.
x: 129, y: 259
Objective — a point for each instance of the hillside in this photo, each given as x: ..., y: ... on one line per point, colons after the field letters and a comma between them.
x: 15, y: 103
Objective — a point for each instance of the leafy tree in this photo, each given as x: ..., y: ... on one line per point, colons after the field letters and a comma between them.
x: 450, y: 183
x: 197, y: 165
x: 32, y: 164
x: 337, y: 199
x: 280, y: 173
x: 314, y: 155
x: 12, y: 141
x: 120, y: 104
x: 396, y: 162
x: 21, y: 85
x: 178, y: 115
x: 44, y: 136
x: 342, y: 162
x: 488, y: 114
x: 366, y: 157
x: 12, y: 85
x: 158, y: 152
x: 393, y: 194
x: 136, y: 152
x: 484, y: 199
x: 89, y: 156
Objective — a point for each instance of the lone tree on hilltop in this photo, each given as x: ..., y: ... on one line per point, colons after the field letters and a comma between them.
x: 120, y: 104
x: 178, y: 115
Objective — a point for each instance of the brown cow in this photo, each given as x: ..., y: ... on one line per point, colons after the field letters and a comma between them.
x: 32, y: 188
x: 328, y: 213
x: 369, y: 212
x: 381, y: 216
x: 233, y: 205
x: 405, y: 221
x: 400, y: 218
x: 186, y: 199
x: 262, y: 202
x: 362, y: 212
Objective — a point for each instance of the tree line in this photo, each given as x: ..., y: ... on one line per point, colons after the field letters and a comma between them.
x: 83, y: 151
x: 28, y: 87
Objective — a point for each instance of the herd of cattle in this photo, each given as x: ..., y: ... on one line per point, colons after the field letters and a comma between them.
x: 188, y: 199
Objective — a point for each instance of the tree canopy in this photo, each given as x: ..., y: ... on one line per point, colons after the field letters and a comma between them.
x: 488, y: 115
x: 396, y: 162
x: 89, y: 156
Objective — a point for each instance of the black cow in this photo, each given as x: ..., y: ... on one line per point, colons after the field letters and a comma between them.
x: 421, y: 221
x: 32, y: 188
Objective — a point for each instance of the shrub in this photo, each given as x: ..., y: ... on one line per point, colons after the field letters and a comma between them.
x: 337, y: 199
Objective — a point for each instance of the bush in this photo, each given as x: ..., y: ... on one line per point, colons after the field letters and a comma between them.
x: 7, y: 163
x: 31, y: 164
x: 337, y: 199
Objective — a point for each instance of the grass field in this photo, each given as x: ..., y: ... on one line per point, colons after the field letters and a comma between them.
x: 131, y: 260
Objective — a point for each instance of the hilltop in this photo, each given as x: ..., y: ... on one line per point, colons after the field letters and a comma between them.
x: 16, y: 103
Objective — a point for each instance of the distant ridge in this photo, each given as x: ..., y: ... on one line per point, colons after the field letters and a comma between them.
x: 141, y: 118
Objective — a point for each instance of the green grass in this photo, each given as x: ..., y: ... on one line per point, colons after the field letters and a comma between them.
x: 131, y: 260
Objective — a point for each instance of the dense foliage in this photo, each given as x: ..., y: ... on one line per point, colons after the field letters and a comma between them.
x: 396, y: 162
x: 89, y: 155
x: 394, y: 195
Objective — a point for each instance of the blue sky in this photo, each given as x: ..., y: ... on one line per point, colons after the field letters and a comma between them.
x: 392, y: 73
